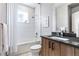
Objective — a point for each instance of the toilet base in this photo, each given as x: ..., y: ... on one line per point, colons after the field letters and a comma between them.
x: 35, y: 50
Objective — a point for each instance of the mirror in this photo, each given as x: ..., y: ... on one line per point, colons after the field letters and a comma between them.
x: 73, y: 13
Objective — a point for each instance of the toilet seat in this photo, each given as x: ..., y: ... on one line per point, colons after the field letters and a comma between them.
x: 36, y: 47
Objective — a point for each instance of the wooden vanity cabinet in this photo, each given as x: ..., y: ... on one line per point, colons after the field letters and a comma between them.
x: 67, y: 50
x: 50, y: 48
x: 54, y: 48
x: 76, y: 51
x: 57, y: 49
x: 46, y: 47
x: 43, y: 47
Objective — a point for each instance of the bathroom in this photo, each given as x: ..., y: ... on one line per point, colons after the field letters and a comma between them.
x: 29, y: 23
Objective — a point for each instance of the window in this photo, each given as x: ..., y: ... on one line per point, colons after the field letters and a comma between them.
x: 22, y: 15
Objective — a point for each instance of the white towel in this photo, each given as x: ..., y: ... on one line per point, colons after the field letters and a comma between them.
x: 5, y: 37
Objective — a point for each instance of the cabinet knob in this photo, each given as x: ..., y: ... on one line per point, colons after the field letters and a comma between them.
x: 52, y: 46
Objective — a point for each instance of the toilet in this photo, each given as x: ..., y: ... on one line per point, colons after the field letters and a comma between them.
x: 35, y: 49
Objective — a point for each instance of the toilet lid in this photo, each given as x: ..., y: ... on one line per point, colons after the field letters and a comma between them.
x: 36, y: 47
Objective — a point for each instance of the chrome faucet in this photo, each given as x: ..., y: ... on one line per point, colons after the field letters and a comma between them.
x: 61, y: 33
x: 62, y: 29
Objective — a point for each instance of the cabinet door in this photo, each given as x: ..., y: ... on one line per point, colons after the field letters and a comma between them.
x: 54, y: 49
x: 51, y: 48
x: 46, y: 47
x: 43, y: 47
x: 67, y: 50
x: 76, y: 51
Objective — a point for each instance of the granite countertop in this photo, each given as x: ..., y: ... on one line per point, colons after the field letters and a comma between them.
x: 73, y: 41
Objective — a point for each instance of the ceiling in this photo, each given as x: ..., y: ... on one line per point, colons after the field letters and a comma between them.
x: 33, y: 5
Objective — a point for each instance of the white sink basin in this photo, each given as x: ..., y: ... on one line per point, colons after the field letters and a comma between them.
x: 76, y: 43
x: 58, y: 38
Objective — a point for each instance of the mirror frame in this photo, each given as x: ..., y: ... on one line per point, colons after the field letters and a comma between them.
x: 73, y: 5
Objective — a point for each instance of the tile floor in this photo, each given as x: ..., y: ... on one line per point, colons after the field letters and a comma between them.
x: 26, y: 54
x: 24, y: 50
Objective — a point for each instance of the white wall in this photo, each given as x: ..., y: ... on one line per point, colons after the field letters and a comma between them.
x: 46, y: 10
x: 62, y: 17
x: 53, y: 19
x: 3, y: 12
